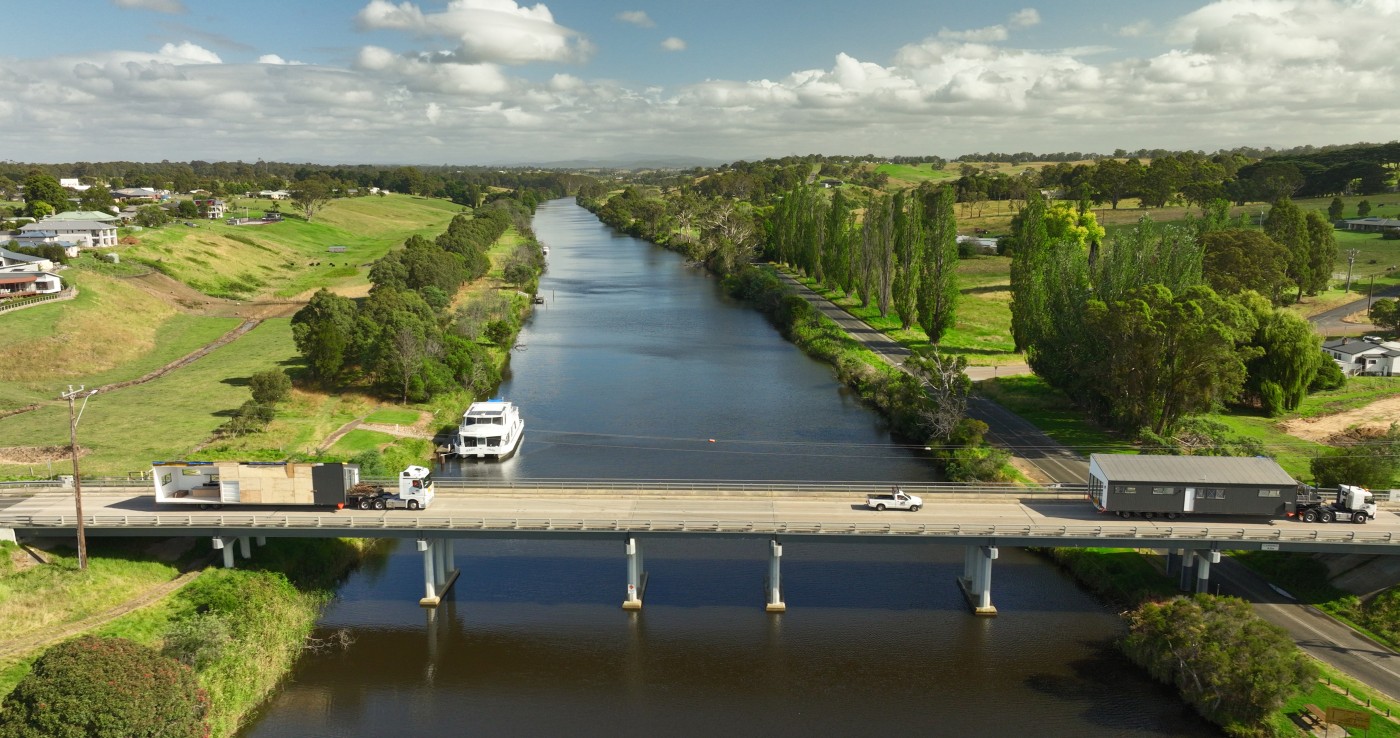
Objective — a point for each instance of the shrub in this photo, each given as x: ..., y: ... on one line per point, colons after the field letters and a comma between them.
x: 270, y: 387
x: 1329, y: 377
x: 105, y: 687
x: 499, y: 332
x: 197, y: 641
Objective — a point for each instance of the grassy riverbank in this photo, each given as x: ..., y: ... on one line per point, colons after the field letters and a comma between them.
x: 241, y: 629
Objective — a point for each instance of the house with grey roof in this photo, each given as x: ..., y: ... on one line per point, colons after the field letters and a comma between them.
x: 1364, y: 356
x: 85, y: 233
x: 1371, y: 225
x: 13, y: 261
x: 1172, y: 486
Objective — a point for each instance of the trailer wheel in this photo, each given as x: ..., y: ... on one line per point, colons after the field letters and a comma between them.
x: 413, y: 504
x: 1147, y: 515
x: 1172, y: 516
x: 1360, y: 517
x: 1327, y: 516
x: 363, y: 504
x: 379, y: 504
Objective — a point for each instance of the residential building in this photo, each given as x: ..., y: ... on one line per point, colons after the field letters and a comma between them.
x: 95, y: 216
x: 85, y: 233
x: 74, y: 184
x: 140, y: 193
x: 211, y: 208
x: 1368, y: 356
x: 11, y: 261
x: 28, y: 284
x: 1371, y: 225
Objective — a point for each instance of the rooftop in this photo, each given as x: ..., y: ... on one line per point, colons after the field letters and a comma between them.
x: 1192, y: 469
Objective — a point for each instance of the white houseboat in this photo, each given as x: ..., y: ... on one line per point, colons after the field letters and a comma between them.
x: 490, y: 429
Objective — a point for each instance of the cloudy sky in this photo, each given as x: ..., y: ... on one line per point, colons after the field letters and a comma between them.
x: 493, y: 81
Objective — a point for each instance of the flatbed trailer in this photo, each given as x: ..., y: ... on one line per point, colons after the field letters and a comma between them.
x: 213, y: 484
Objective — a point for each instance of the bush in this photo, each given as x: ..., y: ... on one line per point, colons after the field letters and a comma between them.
x: 270, y: 387
x: 500, y: 332
x: 1329, y: 377
x: 197, y: 641
x: 105, y: 687
x: 1232, y: 667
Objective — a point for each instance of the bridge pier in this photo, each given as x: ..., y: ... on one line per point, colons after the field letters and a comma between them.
x: 1188, y: 570
x: 1203, y: 561
x: 245, y: 548
x: 439, y: 574
x: 976, y: 581
x: 636, y: 575
x: 775, y: 582
x: 225, y: 545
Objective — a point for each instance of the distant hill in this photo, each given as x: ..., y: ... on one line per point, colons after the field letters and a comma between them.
x: 630, y: 161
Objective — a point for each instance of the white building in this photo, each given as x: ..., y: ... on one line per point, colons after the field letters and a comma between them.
x: 1369, y: 356
x: 72, y: 183
x: 85, y: 233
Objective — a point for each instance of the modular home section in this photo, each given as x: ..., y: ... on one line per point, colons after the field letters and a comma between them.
x: 1196, y: 485
x: 252, y: 482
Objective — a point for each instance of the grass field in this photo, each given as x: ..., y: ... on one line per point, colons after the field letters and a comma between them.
x: 1050, y: 410
x: 162, y: 419
x: 289, y: 258
x: 908, y: 174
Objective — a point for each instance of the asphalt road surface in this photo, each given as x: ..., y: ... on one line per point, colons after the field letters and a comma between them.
x: 1330, y: 323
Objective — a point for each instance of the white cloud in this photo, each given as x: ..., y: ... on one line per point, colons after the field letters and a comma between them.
x: 673, y: 44
x: 636, y: 18
x: 190, y: 53
x: 979, y: 35
x: 275, y: 59
x: 485, y: 31
x: 1135, y: 30
x: 1303, y: 76
x: 160, y: 6
x: 1024, y: 18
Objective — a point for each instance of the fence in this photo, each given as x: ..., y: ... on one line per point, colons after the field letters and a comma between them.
x: 19, y: 302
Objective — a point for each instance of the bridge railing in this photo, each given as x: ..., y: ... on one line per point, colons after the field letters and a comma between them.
x: 230, y: 523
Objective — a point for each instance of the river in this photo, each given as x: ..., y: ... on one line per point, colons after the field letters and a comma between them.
x: 632, y: 365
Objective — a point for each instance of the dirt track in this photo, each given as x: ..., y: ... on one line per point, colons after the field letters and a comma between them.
x: 1379, y: 414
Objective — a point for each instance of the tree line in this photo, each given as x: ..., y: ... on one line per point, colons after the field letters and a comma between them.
x: 403, y: 339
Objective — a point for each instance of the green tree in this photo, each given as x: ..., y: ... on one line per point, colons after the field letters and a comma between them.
x: 96, y: 197
x: 1029, y: 245
x: 151, y: 216
x: 1386, y: 314
x: 1232, y: 667
x: 323, y: 331
x: 93, y: 687
x: 42, y: 188
x: 310, y: 196
x: 1173, y: 355
x: 1116, y: 179
x: 1363, y: 209
x: 1239, y: 259
x: 1322, y: 251
x: 1287, y: 225
x: 186, y: 209
x: 1336, y: 209
x: 1287, y: 360
x: 938, y: 280
x: 908, y: 255
x: 270, y: 387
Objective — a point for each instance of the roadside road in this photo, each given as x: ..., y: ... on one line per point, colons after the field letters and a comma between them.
x: 1031, y: 446
x: 1330, y: 323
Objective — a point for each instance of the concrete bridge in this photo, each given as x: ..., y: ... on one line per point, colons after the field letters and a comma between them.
x: 980, y: 519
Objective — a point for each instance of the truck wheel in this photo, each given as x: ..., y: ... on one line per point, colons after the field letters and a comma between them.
x: 913, y: 508
x: 1309, y: 516
x: 413, y: 504
x: 379, y: 504
x: 879, y: 508
x: 1360, y: 517
x: 1327, y: 516
x: 363, y: 504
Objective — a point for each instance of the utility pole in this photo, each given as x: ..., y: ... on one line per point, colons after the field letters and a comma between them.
x: 1369, y: 291
x: 1351, y: 259
x: 71, y: 395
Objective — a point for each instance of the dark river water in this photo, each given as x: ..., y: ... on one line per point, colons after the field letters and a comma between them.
x: 633, y: 364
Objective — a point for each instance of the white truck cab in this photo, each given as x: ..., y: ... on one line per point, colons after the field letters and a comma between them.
x: 897, y: 499
x: 415, y: 486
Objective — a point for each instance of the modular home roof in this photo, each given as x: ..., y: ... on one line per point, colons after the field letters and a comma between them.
x: 1192, y: 469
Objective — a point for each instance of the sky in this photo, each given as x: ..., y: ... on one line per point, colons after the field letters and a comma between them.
x: 500, y: 82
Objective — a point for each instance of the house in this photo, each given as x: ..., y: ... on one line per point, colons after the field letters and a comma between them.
x: 1170, y: 486
x: 275, y: 194
x: 212, y: 208
x: 139, y: 193
x: 95, y: 216
x: 86, y: 233
x: 1371, y: 225
x: 1367, y: 356
x: 28, y: 284
x: 11, y: 261
x: 72, y: 183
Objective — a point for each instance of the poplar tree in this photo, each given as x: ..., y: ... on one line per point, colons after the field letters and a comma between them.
x: 1322, y: 251
x: 908, y: 253
x: 1030, y: 245
x: 938, y: 282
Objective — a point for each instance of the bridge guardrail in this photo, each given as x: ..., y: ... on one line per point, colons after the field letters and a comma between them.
x: 254, y: 522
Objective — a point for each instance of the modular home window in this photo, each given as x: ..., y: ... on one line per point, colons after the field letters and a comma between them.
x: 1268, y: 493
x: 1163, y: 490
x: 1217, y: 494
x: 1127, y: 490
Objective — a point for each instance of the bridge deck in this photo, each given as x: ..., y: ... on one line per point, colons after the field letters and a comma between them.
x: 554, y: 514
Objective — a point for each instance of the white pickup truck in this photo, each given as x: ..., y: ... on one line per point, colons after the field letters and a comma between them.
x: 897, y: 499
